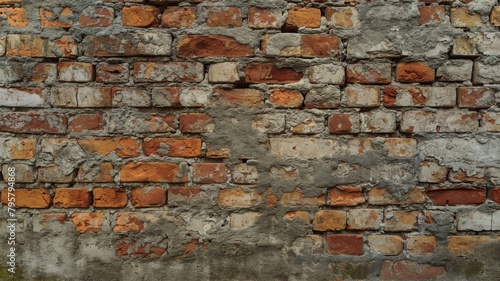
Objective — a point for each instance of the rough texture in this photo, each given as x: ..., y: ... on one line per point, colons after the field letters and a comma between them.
x: 253, y: 140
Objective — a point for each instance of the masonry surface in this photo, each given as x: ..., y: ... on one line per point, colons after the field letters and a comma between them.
x: 251, y: 140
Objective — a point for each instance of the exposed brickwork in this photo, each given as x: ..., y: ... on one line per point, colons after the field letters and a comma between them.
x: 251, y: 140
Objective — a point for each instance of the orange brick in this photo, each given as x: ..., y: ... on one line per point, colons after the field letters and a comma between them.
x: 383, y: 196
x: 303, y: 17
x: 270, y: 73
x: 239, y: 198
x: 342, y: 17
x: 461, y: 17
x: 344, y: 244
x: 421, y: 245
x: 467, y: 245
x: 495, y: 194
x: 329, y: 220
x: 44, y: 73
x: 346, y: 196
x: 180, y: 196
x: 140, y: 16
x: 239, y: 97
x: 296, y: 198
x: 343, y: 123
x: 153, y: 172
x: 177, y: 17
x: 196, y: 123
x: 132, y: 221
x: 87, y: 222
x: 18, y: 148
x: 63, y: 20
x: 109, y: 197
x: 137, y: 249
x: 123, y: 147
x: 148, y: 197
x: 495, y: 16
x: 414, y: 72
x: 35, y: 198
x: 172, y: 147
x: 209, y: 173
x: 16, y: 17
x: 30, y: 45
x: 284, y: 98
x: 303, y: 215
x: 224, y: 17
x: 71, y: 198
x: 400, y: 221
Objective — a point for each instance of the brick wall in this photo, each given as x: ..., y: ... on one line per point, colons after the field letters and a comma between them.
x: 251, y: 140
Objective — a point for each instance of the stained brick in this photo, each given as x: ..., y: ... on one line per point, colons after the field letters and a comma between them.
x: 148, y: 197
x: 200, y: 46
x: 109, y: 197
x: 34, y: 198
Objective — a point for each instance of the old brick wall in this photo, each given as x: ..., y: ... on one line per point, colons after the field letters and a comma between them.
x: 251, y: 140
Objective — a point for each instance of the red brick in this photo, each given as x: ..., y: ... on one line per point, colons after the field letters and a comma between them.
x: 71, y: 198
x: 303, y: 17
x: 346, y: 196
x: 140, y: 16
x: 31, y: 45
x: 320, y: 45
x: 344, y: 244
x: 271, y: 74
x: 112, y: 73
x: 224, y: 17
x: 410, y: 270
x: 180, y: 196
x: 495, y: 194
x: 87, y: 222
x: 171, y: 72
x: 325, y: 220
x: 452, y: 197
x: 239, y: 97
x: 33, y: 122
x: 172, y: 147
x: 75, y: 71
x: 264, y: 18
x: 123, y: 147
x: 177, y: 17
x: 369, y: 73
x: 296, y: 198
x: 44, y: 73
x: 109, y: 197
x: 152, y: 172
x: 431, y: 14
x: 141, y: 250
x: 34, y: 198
x: 97, y: 17
x: 21, y: 97
x: 343, y: 123
x: 148, y: 197
x: 414, y: 72
x: 475, y: 97
x: 15, y: 17
x: 63, y: 19
x: 202, y: 46
x: 209, y: 173
x: 85, y: 122
x: 196, y: 123
x: 491, y: 121
x: 239, y: 198
x: 285, y: 98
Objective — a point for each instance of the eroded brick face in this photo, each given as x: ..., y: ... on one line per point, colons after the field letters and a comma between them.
x: 251, y: 140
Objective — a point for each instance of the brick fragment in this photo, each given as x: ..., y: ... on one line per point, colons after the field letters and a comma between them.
x: 369, y: 73
x: 178, y: 17
x: 365, y: 219
x: 344, y: 244
x: 23, y: 173
x: 342, y: 17
x: 301, y: 45
x: 421, y: 245
x: 44, y: 73
x: 173, y: 147
x: 143, y: 123
x: 134, y: 248
x: 140, y: 16
x: 495, y: 16
x: 410, y: 270
x: 201, y: 46
x: 196, y: 123
x: 97, y: 17
x: 475, y: 97
x: 180, y: 196
x: 31, y: 45
x: 264, y: 18
x: 224, y: 17
x: 15, y: 17
x: 382, y: 196
x: 112, y: 73
x: 239, y: 198
x: 396, y: 96
x: 285, y: 98
x: 378, y: 121
x: 271, y: 74
x: 455, y: 71
x: 109, y: 197
x: 123, y: 147
x: 244, y: 174
x: 400, y: 221
x: 474, y: 220
x: 462, y: 17
x: 71, y: 198
x: 131, y: 97
x: 303, y: 148
x: 467, y: 245
x: 34, y: 198
x: 88, y: 222
x: 327, y: 97
x: 144, y: 197
x: 325, y: 220
x: 63, y: 20
x: 209, y: 173
x: 152, y: 172
x: 431, y: 172
x: 346, y: 196
x: 495, y: 194
x: 92, y: 172
x: 132, y: 222
x: 239, y: 221
x: 389, y: 245
x: 491, y: 121
x: 53, y: 174
x: 431, y: 14
x: 296, y: 198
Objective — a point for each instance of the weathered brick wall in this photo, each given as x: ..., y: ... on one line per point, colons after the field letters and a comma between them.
x: 251, y: 140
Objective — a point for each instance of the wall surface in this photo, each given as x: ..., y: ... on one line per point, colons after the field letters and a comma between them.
x: 250, y: 140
